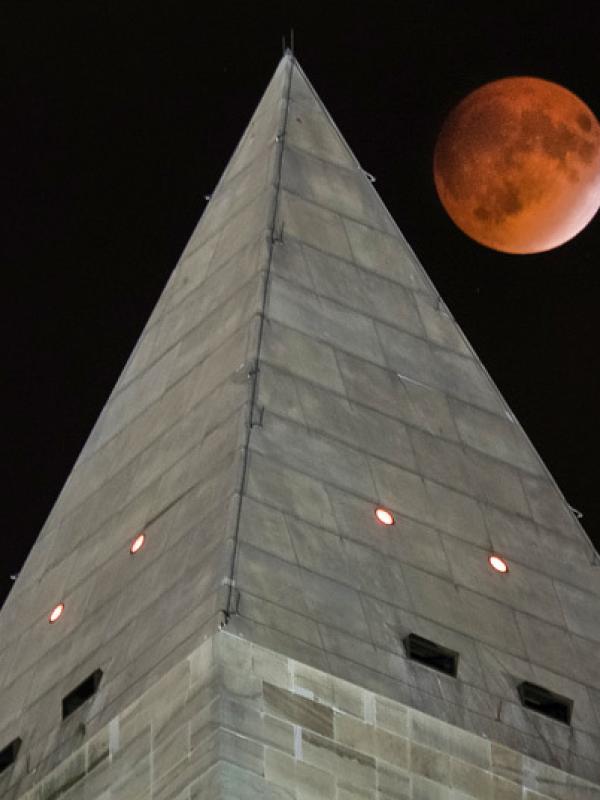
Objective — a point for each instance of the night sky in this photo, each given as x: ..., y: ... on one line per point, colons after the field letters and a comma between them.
x: 117, y: 119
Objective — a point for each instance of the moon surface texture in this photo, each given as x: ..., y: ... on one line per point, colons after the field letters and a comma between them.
x: 517, y: 165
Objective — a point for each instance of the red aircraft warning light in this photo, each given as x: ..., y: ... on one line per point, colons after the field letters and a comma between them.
x: 383, y: 516
x: 137, y: 543
x: 56, y: 613
x: 497, y: 563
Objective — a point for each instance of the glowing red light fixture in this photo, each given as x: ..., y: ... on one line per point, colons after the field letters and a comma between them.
x: 56, y: 613
x: 383, y: 516
x: 137, y: 543
x: 497, y: 563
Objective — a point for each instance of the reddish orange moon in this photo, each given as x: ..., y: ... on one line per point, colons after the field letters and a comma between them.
x: 517, y: 165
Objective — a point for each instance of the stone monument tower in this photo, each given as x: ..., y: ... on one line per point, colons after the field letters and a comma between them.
x: 307, y: 551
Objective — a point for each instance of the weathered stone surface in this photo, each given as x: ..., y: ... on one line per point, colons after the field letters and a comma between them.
x: 215, y: 726
x: 299, y: 370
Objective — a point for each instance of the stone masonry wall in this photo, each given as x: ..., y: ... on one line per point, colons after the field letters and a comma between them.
x: 238, y: 721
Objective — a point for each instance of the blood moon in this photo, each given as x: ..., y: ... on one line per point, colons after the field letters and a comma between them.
x: 517, y: 165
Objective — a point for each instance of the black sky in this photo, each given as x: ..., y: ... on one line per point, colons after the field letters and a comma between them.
x: 117, y: 119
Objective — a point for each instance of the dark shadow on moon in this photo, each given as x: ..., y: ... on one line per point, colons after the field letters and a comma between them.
x: 509, y: 137
x: 499, y: 202
x: 516, y: 158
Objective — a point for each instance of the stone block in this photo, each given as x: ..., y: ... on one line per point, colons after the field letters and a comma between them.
x: 301, y: 355
x: 359, y: 427
x: 362, y: 290
x: 309, y: 129
x: 400, y: 489
x: 195, y: 306
x: 205, y: 721
x: 241, y: 751
x: 392, y: 783
x: 260, y: 133
x: 333, y: 603
x: 391, y: 749
x: 312, y: 683
x: 228, y: 319
x: 303, y: 781
x: 498, y: 483
x: 233, y: 783
x: 443, y: 462
x: 409, y: 356
x: 469, y: 613
x: 564, y: 557
x: 354, y: 733
x: 464, y: 379
x: 471, y: 780
x: 202, y: 660
x: 193, y: 268
x: 320, y: 551
x: 548, y: 507
x: 334, y: 187
x: 244, y: 686
x: 323, y: 319
x: 171, y: 753
x: 288, y: 261
x: 360, y: 651
x: 350, y: 767
x: 242, y: 719
x: 429, y: 763
x: 299, y: 710
x: 271, y: 578
x: 581, y: 610
x: 352, y: 793
x: 278, y: 392
x: 232, y: 197
x: 265, y: 527
x: 419, y: 545
x: 505, y: 790
x: 376, y: 387
x: 63, y: 778
x: 495, y: 435
x: 391, y: 716
x: 548, y: 646
x: 528, y: 591
x: 425, y: 789
x: 377, y: 574
x: 265, y: 613
x: 313, y: 225
x: 387, y: 255
x: 289, y: 490
x: 242, y: 229
x: 279, y: 640
x: 430, y: 409
x: 507, y: 763
x: 98, y: 749
x: 456, y: 513
x: 439, y: 325
x: 134, y: 782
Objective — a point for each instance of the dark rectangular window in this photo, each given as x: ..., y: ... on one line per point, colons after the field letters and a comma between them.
x: 8, y: 754
x: 81, y: 693
x: 545, y: 702
x: 431, y: 654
